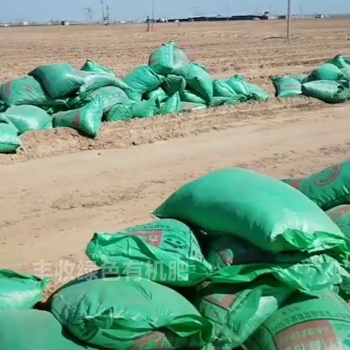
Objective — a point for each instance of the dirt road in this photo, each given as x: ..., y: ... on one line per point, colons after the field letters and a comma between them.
x: 51, y: 206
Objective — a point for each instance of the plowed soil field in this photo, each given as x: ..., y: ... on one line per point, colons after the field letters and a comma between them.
x: 63, y: 187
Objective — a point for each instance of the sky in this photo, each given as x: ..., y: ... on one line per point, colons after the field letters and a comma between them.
x: 45, y: 10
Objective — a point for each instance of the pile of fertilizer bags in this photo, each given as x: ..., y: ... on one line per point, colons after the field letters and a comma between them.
x: 329, y: 83
x: 58, y: 95
x: 233, y: 259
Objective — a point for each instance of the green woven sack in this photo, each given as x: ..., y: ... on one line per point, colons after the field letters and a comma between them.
x: 146, y: 108
x: 327, y: 91
x: 107, y: 96
x: 26, y: 91
x: 242, y: 87
x: 236, y: 261
x: 158, y: 93
x: 200, y: 81
x: 169, y: 59
x: 229, y: 202
x: 165, y: 251
x: 238, y: 84
x: 87, y: 119
x: 141, y: 81
x: 35, y: 330
x: 94, y: 81
x: 59, y: 79
x: 121, y: 112
x: 94, y: 67
x: 328, y: 188
x: 171, y: 105
x: 173, y: 84
x: 190, y: 96
x: 27, y: 118
x: 9, y: 140
x: 125, y: 313
x: 286, y: 87
x: 223, y: 89
x: 317, y: 323
x: 328, y: 71
x: 237, y: 311
x: 20, y: 292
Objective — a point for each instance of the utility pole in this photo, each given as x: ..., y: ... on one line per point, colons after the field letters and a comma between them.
x: 88, y: 10
x: 289, y: 19
x: 106, y: 22
x: 153, y: 11
x: 227, y: 11
x: 103, y: 10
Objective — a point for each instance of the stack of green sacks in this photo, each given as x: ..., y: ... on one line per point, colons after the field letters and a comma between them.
x: 244, y: 259
x: 329, y: 83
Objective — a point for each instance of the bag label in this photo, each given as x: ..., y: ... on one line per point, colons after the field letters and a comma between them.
x: 327, y: 176
x: 311, y: 335
x: 223, y: 301
x: 154, y: 238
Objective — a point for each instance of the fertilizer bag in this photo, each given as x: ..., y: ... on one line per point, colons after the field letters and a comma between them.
x: 173, y: 84
x: 237, y: 261
x: 228, y: 202
x: 9, y: 140
x: 94, y: 67
x: 146, y: 108
x: 242, y: 87
x: 165, y: 251
x: 35, y: 330
x: 341, y: 216
x: 343, y: 63
x: 25, y: 91
x: 172, y: 105
x: 190, y: 96
x: 141, y: 81
x: 328, y: 188
x: 200, y: 81
x: 107, y: 96
x: 223, y: 89
x: 169, y: 59
x: 59, y: 79
x: 317, y: 323
x: 327, y: 91
x: 87, y: 119
x: 158, y: 93
x: 27, y: 118
x: 20, y: 292
x: 327, y: 71
x: 239, y: 85
x: 237, y: 311
x: 121, y: 112
x: 94, y: 81
x: 130, y: 313
x: 286, y: 87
